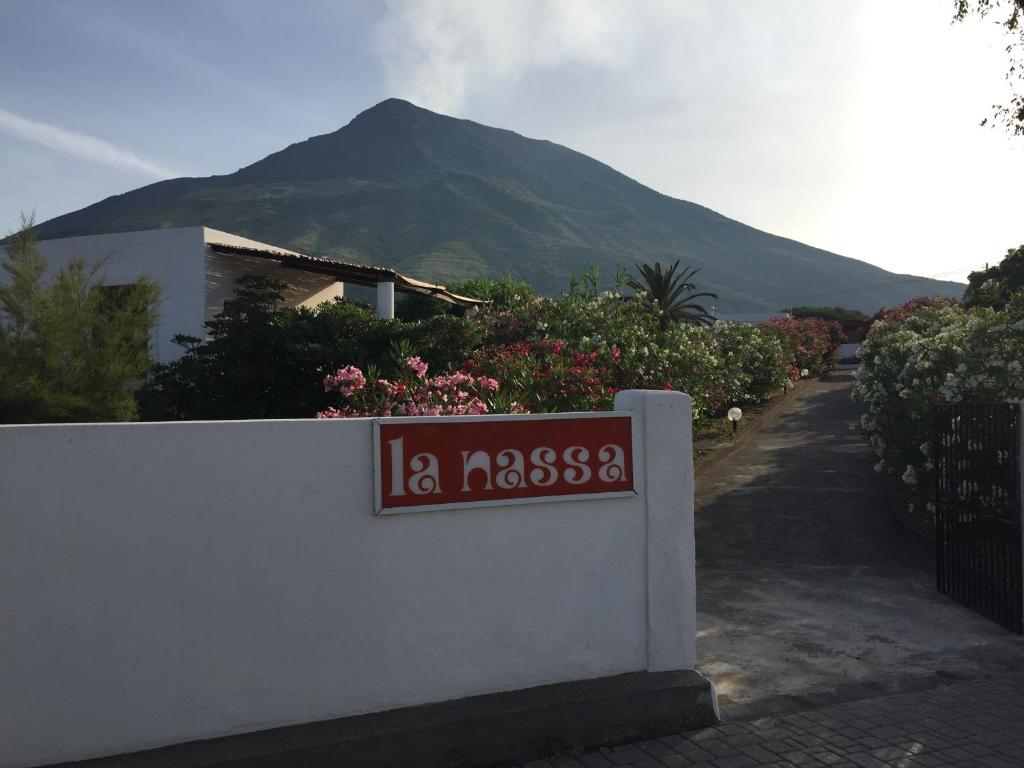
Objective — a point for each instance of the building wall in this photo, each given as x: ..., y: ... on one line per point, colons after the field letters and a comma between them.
x: 194, y: 282
x: 171, y: 257
x: 175, y: 581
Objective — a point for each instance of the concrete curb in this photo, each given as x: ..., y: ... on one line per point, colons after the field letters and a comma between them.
x: 515, y: 726
x: 765, y: 418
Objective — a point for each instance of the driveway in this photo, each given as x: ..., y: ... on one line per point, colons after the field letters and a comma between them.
x: 806, y: 594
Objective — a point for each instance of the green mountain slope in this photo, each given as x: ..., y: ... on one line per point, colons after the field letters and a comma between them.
x: 444, y: 199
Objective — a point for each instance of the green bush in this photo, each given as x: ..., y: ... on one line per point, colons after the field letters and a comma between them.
x: 754, y: 364
x: 71, y: 348
x: 265, y: 361
x: 927, y: 352
x: 571, y: 352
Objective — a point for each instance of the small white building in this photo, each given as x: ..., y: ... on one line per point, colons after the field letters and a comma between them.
x: 196, y: 269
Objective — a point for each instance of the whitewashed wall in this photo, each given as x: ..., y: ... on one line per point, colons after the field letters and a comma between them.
x: 175, y: 258
x: 194, y: 281
x: 167, y: 582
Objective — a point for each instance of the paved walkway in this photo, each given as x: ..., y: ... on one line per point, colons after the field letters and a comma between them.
x: 956, y: 726
x: 825, y: 638
x: 806, y: 595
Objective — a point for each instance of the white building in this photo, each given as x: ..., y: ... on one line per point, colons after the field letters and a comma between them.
x: 196, y: 269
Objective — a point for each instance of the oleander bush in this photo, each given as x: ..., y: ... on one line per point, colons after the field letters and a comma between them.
x: 811, y: 343
x: 262, y: 360
x: 753, y: 363
x: 925, y: 352
x: 518, y: 353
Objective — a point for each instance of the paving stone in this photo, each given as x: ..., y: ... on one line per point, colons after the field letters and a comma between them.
x: 738, y: 760
x: 995, y: 761
x: 673, y: 741
x: 719, y: 748
x: 800, y: 757
x: 654, y: 748
x: 647, y: 762
x: 964, y: 725
x: 695, y: 754
x: 624, y: 755
x: 759, y: 753
x: 865, y: 760
x: 674, y: 761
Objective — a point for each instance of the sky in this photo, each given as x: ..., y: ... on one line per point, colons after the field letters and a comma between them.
x: 850, y: 126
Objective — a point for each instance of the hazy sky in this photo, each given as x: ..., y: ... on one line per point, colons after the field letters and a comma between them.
x: 851, y: 126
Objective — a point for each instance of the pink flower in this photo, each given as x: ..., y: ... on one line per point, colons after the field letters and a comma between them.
x: 417, y: 366
x: 347, y: 380
x: 487, y: 384
x: 476, y: 406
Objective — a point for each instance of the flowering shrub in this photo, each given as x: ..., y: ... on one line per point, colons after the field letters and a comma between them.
x: 908, y: 308
x: 576, y: 351
x: 930, y: 351
x: 414, y: 394
x: 753, y: 363
x: 545, y: 376
x: 809, y: 342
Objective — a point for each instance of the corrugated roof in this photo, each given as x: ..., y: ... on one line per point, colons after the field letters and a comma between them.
x: 358, y: 274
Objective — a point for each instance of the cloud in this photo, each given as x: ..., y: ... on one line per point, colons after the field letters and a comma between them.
x: 79, y: 145
x: 438, y: 52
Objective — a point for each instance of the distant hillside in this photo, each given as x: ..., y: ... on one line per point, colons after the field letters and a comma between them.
x: 445, y: 199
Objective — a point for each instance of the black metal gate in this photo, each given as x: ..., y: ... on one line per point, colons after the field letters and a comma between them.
x: 977, y: 509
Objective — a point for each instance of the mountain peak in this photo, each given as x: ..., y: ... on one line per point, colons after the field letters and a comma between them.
x: 392, y: 104
x: 445, y: 198
x: 390, y: 111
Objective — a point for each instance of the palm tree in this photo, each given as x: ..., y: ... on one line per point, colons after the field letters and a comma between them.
x: 673, y: 294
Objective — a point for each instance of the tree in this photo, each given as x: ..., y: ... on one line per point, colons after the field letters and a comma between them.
x: 1012, y: 13
x: 673, y: 294
x: 994, y: 286
x: 71, y: 348
x: 264, y: 360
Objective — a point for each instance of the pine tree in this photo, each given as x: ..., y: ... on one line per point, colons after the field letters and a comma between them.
x: 71, y: 348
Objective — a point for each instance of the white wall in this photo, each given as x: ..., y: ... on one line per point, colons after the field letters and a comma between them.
x: 193, y: 281
x: 168, y: 582
x: 172, y: 257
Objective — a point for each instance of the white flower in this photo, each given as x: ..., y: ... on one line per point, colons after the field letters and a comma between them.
x: 910, y: 476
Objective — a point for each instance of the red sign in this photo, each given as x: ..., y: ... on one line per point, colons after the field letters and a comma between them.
x: 455, y: 461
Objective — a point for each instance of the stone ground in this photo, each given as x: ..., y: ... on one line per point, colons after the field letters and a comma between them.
x: 956, y: 726
x: 821, y: 629
x: 806, y: 594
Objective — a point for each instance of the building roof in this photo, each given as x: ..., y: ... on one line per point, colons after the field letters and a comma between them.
x: 357, y: 274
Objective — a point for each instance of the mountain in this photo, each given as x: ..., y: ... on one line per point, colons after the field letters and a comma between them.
x: 445, y: 199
